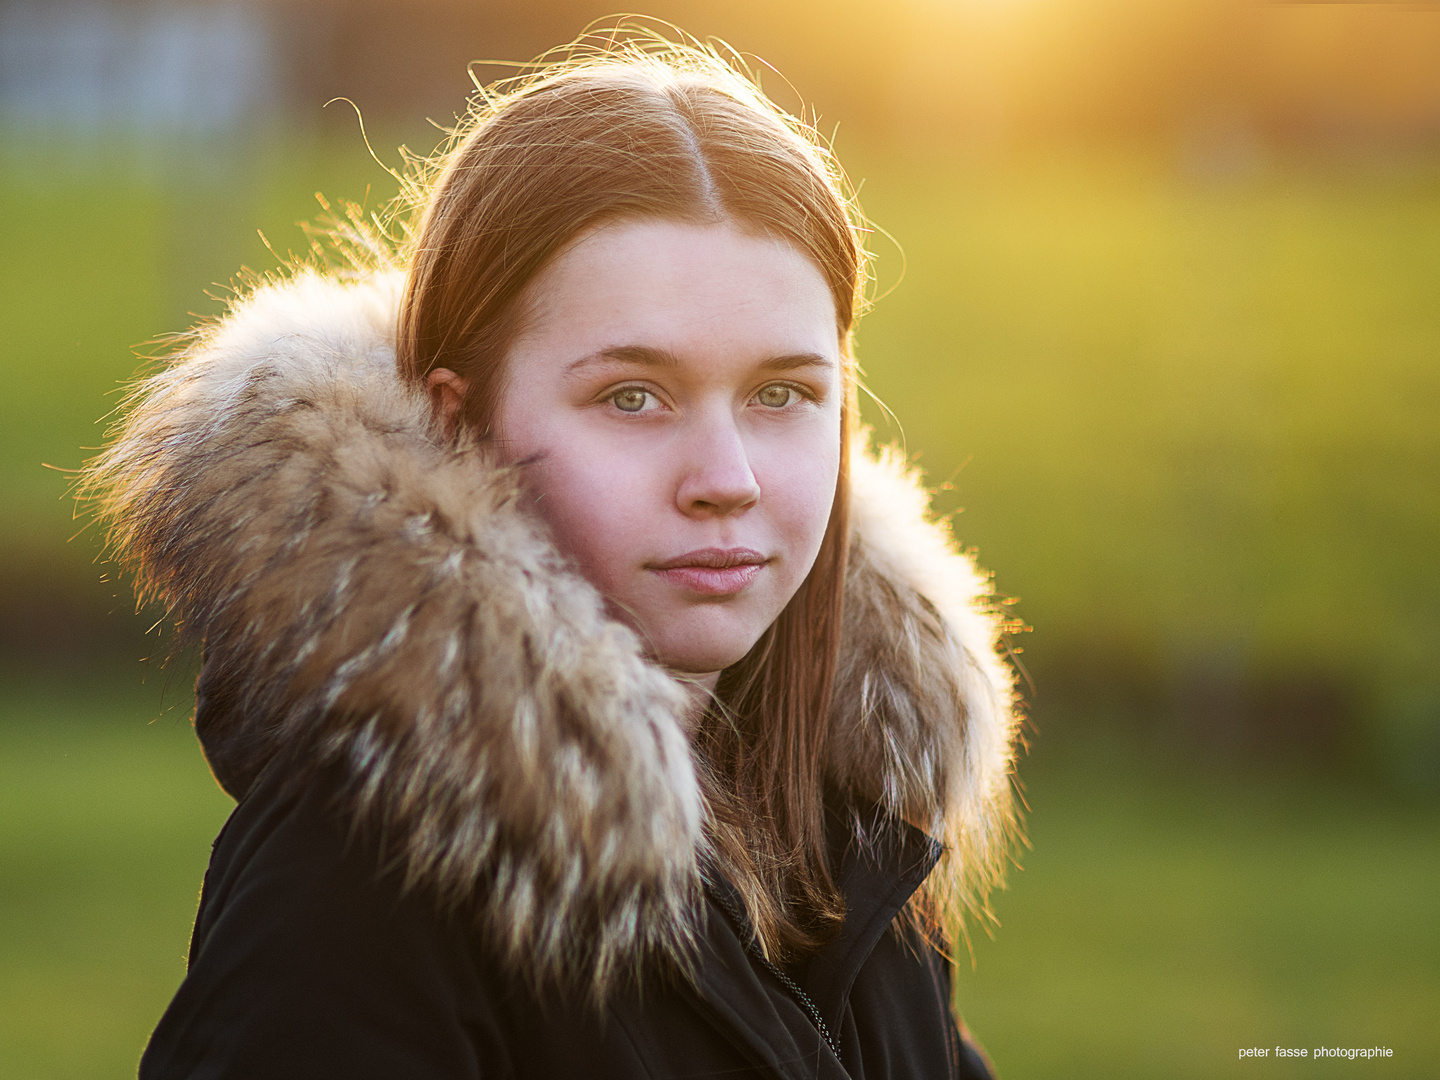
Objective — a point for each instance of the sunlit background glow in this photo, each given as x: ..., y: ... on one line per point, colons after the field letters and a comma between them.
x: 1168, y: 337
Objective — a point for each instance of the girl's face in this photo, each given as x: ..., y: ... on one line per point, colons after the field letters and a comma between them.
x: 676, y: 396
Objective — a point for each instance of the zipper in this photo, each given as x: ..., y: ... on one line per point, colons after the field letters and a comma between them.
x: 743, y: 923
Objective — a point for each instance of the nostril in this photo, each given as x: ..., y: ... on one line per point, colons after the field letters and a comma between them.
x: 719, y: 491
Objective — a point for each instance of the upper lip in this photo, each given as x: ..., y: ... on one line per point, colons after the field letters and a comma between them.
x: 712, y: 558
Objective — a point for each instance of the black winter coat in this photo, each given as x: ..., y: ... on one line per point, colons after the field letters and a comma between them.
x: 401, y: 672
x: 307, y: 963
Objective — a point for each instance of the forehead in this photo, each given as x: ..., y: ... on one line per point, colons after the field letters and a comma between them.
x: 686, y: 289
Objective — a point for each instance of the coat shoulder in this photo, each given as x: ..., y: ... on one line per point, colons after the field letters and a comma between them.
x: 309, y: 961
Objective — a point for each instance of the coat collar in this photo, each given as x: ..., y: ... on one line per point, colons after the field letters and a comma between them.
x: 371, y: 597
x: 880, y: 862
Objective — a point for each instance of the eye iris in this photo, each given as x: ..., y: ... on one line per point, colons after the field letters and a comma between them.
x: 775, y: 396
x: 630, y: 400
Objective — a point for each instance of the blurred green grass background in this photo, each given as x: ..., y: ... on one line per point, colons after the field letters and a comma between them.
x: 1191, y: 422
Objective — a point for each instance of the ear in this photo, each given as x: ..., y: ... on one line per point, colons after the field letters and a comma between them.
x: 447, y: 391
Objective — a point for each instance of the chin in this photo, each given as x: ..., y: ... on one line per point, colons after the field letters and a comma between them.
x: 696, y: 662
x: 700, y: 647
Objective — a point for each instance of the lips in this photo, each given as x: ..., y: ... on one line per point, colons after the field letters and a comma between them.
x: 712, y: 571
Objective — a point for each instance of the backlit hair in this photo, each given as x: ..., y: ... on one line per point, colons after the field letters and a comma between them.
x: 635, y: 125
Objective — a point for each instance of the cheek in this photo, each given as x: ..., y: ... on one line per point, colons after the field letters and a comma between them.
x: 800, y: 489
x: 598, y: 508
x: 572, y: 484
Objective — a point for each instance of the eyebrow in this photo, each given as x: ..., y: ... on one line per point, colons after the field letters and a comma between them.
x: 649, y: 356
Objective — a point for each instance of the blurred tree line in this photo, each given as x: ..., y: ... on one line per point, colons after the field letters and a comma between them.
x: 976, y: 72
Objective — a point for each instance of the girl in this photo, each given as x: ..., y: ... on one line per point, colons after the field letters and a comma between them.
x: 595, y: 703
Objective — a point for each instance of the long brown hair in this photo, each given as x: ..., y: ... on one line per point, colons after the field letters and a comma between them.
x: 631, y: 124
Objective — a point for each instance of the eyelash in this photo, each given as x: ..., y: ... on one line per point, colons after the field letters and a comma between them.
x: 802, y: 392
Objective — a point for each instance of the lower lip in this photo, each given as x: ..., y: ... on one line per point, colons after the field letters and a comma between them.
x: 712, y: 581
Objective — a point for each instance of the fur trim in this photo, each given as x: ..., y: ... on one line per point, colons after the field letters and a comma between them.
x: 376, y: 599
x: 925, y: 720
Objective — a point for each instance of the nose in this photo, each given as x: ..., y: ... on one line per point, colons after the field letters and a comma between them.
x: 717, y: 480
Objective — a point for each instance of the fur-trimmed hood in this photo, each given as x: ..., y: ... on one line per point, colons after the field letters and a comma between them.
x: 374, y: 600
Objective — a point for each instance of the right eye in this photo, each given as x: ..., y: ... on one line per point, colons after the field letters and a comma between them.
x: 631, y: 399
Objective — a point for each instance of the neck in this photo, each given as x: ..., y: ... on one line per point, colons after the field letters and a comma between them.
x: 701, y: 688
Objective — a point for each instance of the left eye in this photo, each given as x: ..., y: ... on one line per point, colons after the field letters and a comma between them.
x: 775, y: 396
x: 631, y: 399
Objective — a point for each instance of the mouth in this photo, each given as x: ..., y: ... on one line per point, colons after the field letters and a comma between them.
x: 712, y: 571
